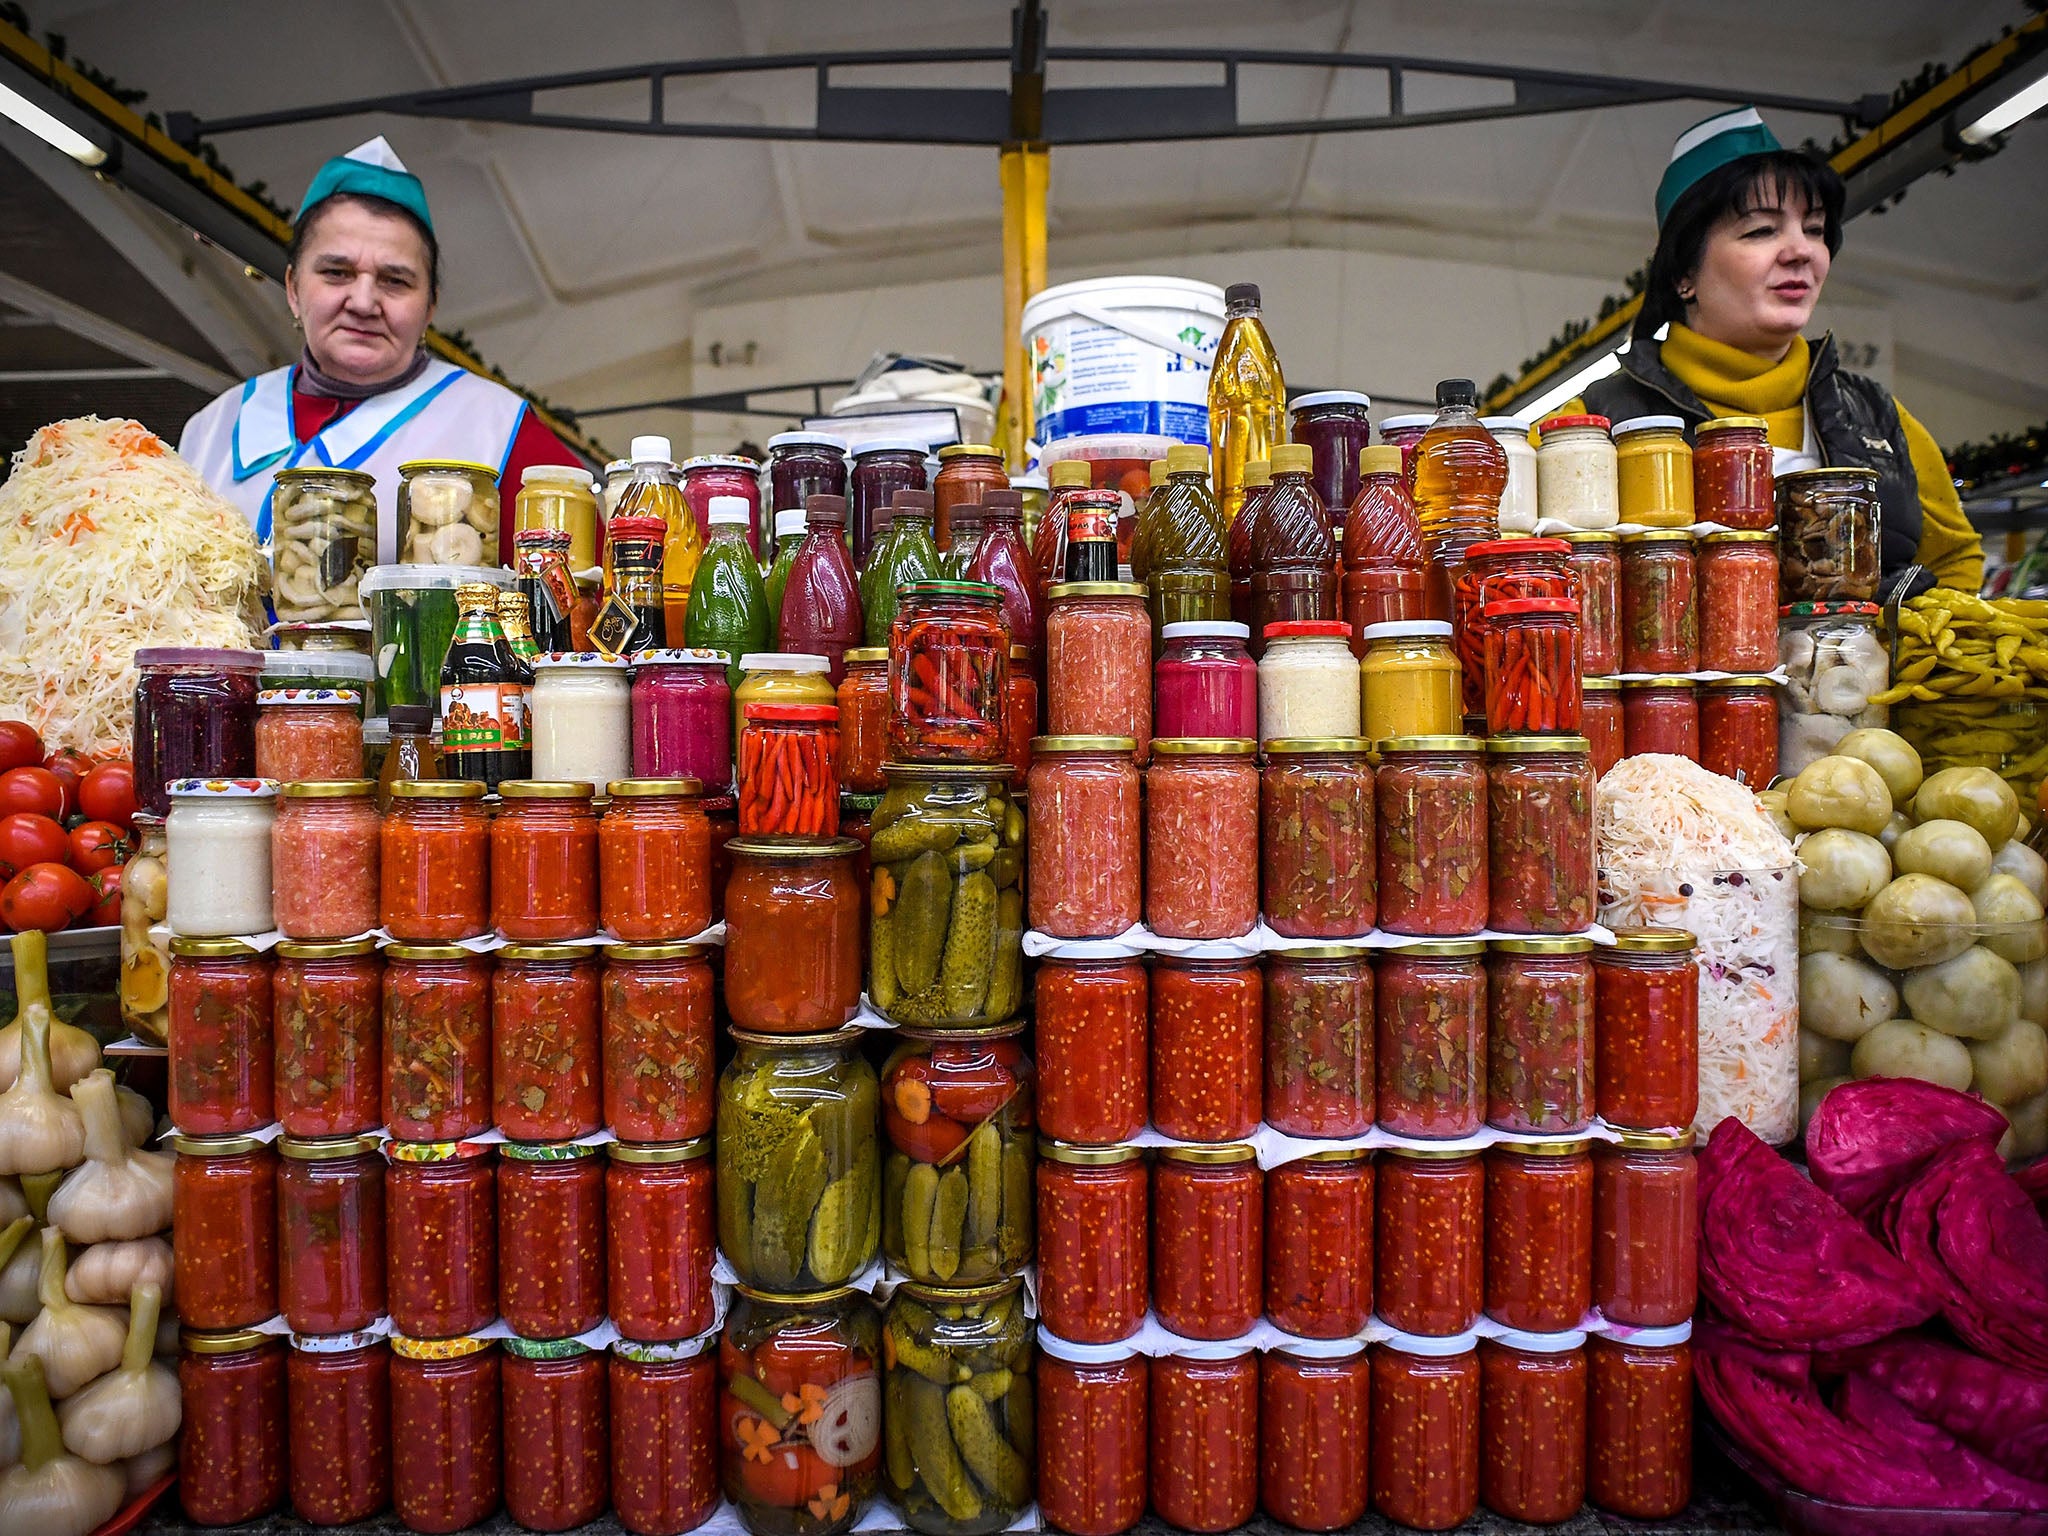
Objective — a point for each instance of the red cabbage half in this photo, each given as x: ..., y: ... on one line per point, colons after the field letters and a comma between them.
x: 1997, y: 1409
x: 1868, y: 1138
x: 1970, y: 1480
x: 2034, y: 1180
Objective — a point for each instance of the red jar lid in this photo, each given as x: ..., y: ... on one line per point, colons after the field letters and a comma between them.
x: 1489, y: 549
x: 807, y: 713
x: 1307, y: 627
x: 1564, y: 423
x: 1508, y: 607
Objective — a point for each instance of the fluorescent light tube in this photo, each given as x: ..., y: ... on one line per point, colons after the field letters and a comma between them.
x: 2022, y: 103
x: 49, y: 128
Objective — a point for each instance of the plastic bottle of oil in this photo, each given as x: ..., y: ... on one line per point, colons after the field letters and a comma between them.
x: 1247, y: 397
x: 1460, y: 472
x: 654, y: 489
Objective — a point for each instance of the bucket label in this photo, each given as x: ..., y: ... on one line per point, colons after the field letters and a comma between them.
x: 1089, y: 378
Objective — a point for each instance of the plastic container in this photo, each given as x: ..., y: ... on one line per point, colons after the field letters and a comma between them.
x: 1123, y: 355
x: 412, y: 619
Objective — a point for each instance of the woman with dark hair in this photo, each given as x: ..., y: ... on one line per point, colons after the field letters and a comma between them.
x: 1746, y: 232
x: 362, y: 279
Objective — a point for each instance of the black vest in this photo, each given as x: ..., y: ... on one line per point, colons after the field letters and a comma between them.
x: 1855, y: 422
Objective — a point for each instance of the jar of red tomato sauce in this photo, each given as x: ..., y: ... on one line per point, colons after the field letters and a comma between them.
x: 1207, y: 1048
x: 551, y: 1238
x: 544, y: 861
x: 1020, y: 714
x: 654, y: 861
x: 864, y: 720
x: 323, y: 859
x: 1600, y: 721
x: 1092, y: 1034
x: 437, y: 1042
x: 1739, y: 729
x: 1429, y: 1271
x: 1639, y: 1422
x: 793, y: 936
x: 1083, y: 843
x: 434, y: 861
x: 657, y: 1029
x: 441, y: 1238
x: 339, y: 1393
x: 1539, y: 1235
x: 1205, y: 1440
x: 1319, y: 1042
x: 1539, y: 1035
x: 1432, y: 835
x: 1098, y: 662
x: 1319, y: 1244
x: 1317, y: 814
x: 1660, y: 714
x: 1431, y: 1027
x: 1208, y: 1241
x: 1202, y: 838
x: 446, y: 1432
x: 1596, y: 576
x: 1660, y: 615
x: 1738, y: 575
x: 664, y: 1435
x: 1539, y: 825
x: 547, y: 1053
x: 1532, y: 1415
x: 222, y: 1071
x: 224, y: 1210
x: 1425, y: 1430
x: 1092, y: 1435
x: 659, y: 1236
x: 1315, y: 1402
x: 1647, y: 1029
x: 1731, y: 473
x: 1645, y: 1229
x: 329, y: 1038
x: 330, y: 1223
x: 1093, y: 1219
x: 308, y: 734
x: 234, y: 1450
x: 557, y: 1433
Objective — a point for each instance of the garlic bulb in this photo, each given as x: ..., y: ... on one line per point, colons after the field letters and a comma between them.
x: 40, y: 1130
x: 117, y: 1193
x: 105, y: 1273
x: 73, y: 1053
x: 137, y: 1118
x: 148, y: 1468
x: 52, y: 1493
x: 21, y: 1266
x: 13, y: 1202
x: 75, y: 1343
x: 10, y: 1426
x: 131, y: 1409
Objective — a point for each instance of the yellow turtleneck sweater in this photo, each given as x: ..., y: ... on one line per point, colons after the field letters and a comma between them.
x: 1731, y: 382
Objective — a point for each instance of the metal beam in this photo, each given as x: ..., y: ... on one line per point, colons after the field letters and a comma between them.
x: 110, y: 334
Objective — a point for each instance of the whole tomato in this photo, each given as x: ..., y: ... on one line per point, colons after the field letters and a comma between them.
x: 108, y: 793
x: 45, y: 896
x: 106, y: 886
x: 98, y: 845
x: 20, y: 746
x: 26, y: 838
x: 70, y: 767
x: 32, y: 789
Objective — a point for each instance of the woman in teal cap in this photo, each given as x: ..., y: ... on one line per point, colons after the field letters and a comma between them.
x: 1746, y: 232
x: 362, y: 278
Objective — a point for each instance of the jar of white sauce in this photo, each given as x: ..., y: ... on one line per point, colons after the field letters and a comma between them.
x: 1518, y: 497
x: 1308, y: 680
x: 1575, y: 472
x: 582, y: 718
x: 217, y: 856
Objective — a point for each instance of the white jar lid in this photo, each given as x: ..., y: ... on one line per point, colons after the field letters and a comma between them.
x: 548, y: 661
x: 1403, y: 423
x: 1648, y: 424
x: 1651, y: 1338
x: 693, y: 656
x: 1330, y: 397
x: 1505, y: 424
x: 806, y: 440
x: 271, y: 697
x: 1541, y: 1343
x: 1199, y: 629
x: 1434, y: 1348
x: 784, y: 661
x: 1086, y: 1354
x: 221, y: 789
x: 1402, y: 629
x: 892, y: 445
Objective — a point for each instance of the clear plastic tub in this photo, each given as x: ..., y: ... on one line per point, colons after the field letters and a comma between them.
x: 412, y: 619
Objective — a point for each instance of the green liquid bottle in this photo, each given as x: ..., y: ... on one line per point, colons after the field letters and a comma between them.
x: 789, y: 537
x: 908, y: 555
x: 1178, y: 549
x: 728, y: 605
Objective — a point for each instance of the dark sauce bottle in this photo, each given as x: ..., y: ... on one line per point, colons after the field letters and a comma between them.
x: 482, y: 701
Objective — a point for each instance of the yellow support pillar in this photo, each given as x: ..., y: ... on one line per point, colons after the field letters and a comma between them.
x: 1026, y: 171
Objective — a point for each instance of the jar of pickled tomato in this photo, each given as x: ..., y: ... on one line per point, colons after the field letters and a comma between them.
x: 1314, y: 1408
x: 1411, y: 683
x: 1653, y: 465
x: 1092, y: 1032
x: 1647, y: 1029
x: 1318, y: 864
x: 323, y: 860
x: 657, y: 1030
x: 1731, y: 472
x: 234, y: 1452
x: 224, y: 1209
x: 1539, y: 1006
x: 1093, y: 1225
x: 1098, y: 662
x: 1600, y: 721
x: 1431, y: 1038
x: 330, y: 1219
x: 1539, y: 1232
x: 664, y: 1435
x: 1639, y: 1422
x: 1092, y: 1435
x: 441, y: 1238
x: 1539, y: 824
x: 1595, y: 563
x: 949, y: 669
x: 1207, y: 1048
x: 682, y: 716
x: 1425, y: 1430
x: 1205, y: 681
x: 339, y: 1429
x: 793, y: 939
x: 551, y: 1238
x: 864, y: 720
x: 446, y: 1432
x: 1432, y: 836
x: 547, y: 1052
x: 1208, y: 1241
x: 1739, y: 729
x: 1738, y: 578
x: 1083, y: 844
x: 659, y: 1238
x: 329, y: 1031
x: 1429, y: 1270
x: 544, y: 861
x: 437, y: 1042
x: 222, y: 1072
x: 557, y: 1434
x: 1646, y: 1229
x: 434, y: 861
x: 1202, y: 838
x: 1204, y: 1415
x: 1319, y: 1240
x: 654, y: 861
x: 1660, y: 612
x: 1660, y: 714
x: 1532, y: 1415
x: 1319, y: 1042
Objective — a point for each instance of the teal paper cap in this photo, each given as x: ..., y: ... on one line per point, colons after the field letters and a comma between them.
x: 374, y: 170
x: 1707, y: 146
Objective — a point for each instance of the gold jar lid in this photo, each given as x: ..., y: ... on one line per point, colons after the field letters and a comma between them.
x: 967, y: 450
x: 1083, y: 744
x: 991, y: 1291
x: 866, y: 653
x: 1432, y: 744
x: 195, y: 1341
x: 460, y: 466
x: 341, y: 949
x: 845, y: 1035
x: 1229, y: 1152
x: 1281, y: 746
x: 1731, y: 424
x: 1659, y: 536
x: 1203, y: 746
x: 546, y: 789
x: 211, y: 949
x: 1753, y: 680
x: 1087, y: 1156
x: 1740, y: 536
x: 431, y: 952
x: 215, y: 1146
x: 547, y: 952
x: 1570, y: 1148
x: 1516, y: 746
x: 795, y: 1298
x: 327, y: 789
x: 325, y: 1149
x: 1653, y: 940
x: 1657, y: 1141
x: 1060, y: 589
x: 355, y: 478
x: 1545, y: 944
x: 1431, y: 1154
x: 643, y: 1152
x: 638, y: 789
x: 1320, y: 952
x: 796, y: 847
x: 656, y: 951
x: 437, y: 789
x: 1437, y: 949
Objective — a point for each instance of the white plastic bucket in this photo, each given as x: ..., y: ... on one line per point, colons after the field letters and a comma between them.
x: 1123, y: 354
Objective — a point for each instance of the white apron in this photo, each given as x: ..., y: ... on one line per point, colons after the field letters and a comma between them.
x: 242, y: 439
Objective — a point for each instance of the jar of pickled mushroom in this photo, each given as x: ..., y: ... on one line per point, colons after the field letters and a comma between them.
x: 1660, y: 714
x: 1308, y: 680
x: 1639, y: 1422
x: 1539, y: 1234
x: 1827, y: 535
x: 330, y: 1219
x: 195, y: 718
x: 654, y: 861
x: 223, y: 1071
x: 1092, y: 1433
x: 1091, y: 1022
x: 1595, y: 563
x: 339, y: 1393
x: 437, y: 1042
x: 323, y: 859
x: 1206, y: 1048
x: 1098, y: 662
x: 1647, y: 1029
x: 1429, y: 1271
x: 544, y: 861
x: 1539, y: 995
x: 446, y: 1432
x: 1094, y: 1283
x: 1204, y: 1414
x: 551, y: 1238
x: 309, y: 733
x: 447, y: 513
x: 1410, y: 681
x: 1738, y: 580
x: 1646, y: 1229
x: 1539, y: 826
x: 664, y: 1434
x: 1660, y: 612
x: 1432, y: 835
x: 1739, y: 729
x: 1576, y: 472
x: 657, y: 1029
x: 949, y: 670
x: 1600, y: 721
x: 1532, y: 1415
x: 683, y: 716
x: 1315, y: 1403
x: 217, y: 867
x: 864, y: 720
x: 792, y: 947
x: 224, y: 1209
x: 434, y: 862
x: 1431, y: 1038
x: 441, y: 1238
x: 234, y: 1453
x: 1731, y: 472
x: 1317, y: 813
x: 557, y: 1441
x: 1319, y: 1240
x: 1319, y: 1042
x: 328, y: 1032
x: 1202, y: 837
x: 1208, y: 1240
x: 1086, y: 872
x: 1653, y: 466
x: 659, y: 1238
x: 547, y: 1052
x: 1205, y: 681
x: 1425, y: 1430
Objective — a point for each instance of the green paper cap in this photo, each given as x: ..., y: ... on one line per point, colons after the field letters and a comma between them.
x: 1706, y: 146
x: 373, y: 170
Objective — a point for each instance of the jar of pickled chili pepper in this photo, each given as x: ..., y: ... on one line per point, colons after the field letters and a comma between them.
x: 437, y: 1042
x: 1646, y: 1229
x: 328, y: 1032
x: 664, y: 1434
x: 1532, y: 1415
x: 793, y: 940
x: 1600, y: 721
x: 1739, y: 729
x: 234, y: 1452
x: 1432, y: 835
x: 1539, y: 1234
x: 1319, y: 1042
x: 659, y: 1238
x: 1098, y: 662
x: 224, y: 1209
x: 949, y: 673
x: 1532, y: 665
x: 544, y: 861
x: 1204, y: 1413
x: 1595, y: 563
x: 1731, y: 472
x: 1639, y: 1422
x: 330, y: 1220
x: 1539, y: 1035
x: 657, y: 1029
x: 1094, y: 1283
x: 1647, y: 1029
x: 339, y: 1430
x: 1315, y: 1402
x: 1092, y: 1033
x: 788, y: 784
x: 1430, y: 1016
x: 446, y: 1432
x: 434, y: 861
x: 1207, y: 1048
x: 654, y: 861
x: 1660, y: 714
x: 1499, y: 570
x: 1317, y: 812
x: 1208, y: 1241
x: 864, y: 720
x: 551, y: 1238
x: 323, y: 860
x: 222, y: 1072
x: 1539, y: 825
x: 557, y: 1433
x: 441, y: 1237
x: 1738, y: 580
x: 1319, y: 1241
x: 1429, y: 1268
x: 1086, y: 871
x: 1092, y: 1435
x: 1202, y: 838
x: 1425, y: 1430
x: 547, y: 1051
x: 1660, y: 618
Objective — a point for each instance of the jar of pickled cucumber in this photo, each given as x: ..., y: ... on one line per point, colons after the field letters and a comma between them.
x: 946, y: 851
x: 959, y: 1422
x: 799, y: 1160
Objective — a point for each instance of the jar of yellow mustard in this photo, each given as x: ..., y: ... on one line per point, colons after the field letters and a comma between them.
x: 781, y: 677
x: 1653, y: 464
x: 559, y: 497
x: 1408, y: 681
